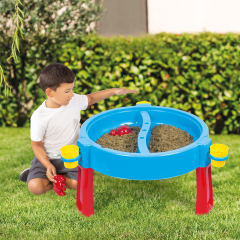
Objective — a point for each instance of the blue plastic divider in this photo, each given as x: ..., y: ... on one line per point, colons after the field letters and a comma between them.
x: 142, y: 136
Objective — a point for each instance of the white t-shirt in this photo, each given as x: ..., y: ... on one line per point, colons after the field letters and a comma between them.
x: 58, y: 127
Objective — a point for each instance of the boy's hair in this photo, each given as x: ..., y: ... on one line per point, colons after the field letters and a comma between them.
x: 54, y: 75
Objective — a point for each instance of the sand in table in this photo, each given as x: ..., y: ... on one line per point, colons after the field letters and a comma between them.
x: 163, y: 138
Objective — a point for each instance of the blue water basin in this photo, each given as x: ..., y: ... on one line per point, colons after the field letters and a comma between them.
x: 144, y: 165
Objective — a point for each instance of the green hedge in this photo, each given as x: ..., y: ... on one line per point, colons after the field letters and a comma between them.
x: 198, y: 73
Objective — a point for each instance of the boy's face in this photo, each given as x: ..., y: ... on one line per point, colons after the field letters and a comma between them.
x: 62, y: 95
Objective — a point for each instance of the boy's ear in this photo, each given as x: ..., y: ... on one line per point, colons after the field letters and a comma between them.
x: 49, y: 92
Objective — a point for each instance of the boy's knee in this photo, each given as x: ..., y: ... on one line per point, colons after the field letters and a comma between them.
x: 37, y: 186
x: 75, y: 184
x: 71, y: 184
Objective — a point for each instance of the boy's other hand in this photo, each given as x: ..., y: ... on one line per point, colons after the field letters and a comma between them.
x: 51, y: 172
x: 123, y: 90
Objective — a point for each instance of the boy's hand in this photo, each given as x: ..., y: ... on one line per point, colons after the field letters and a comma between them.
x: 51, y: 172
x: 120, y: 91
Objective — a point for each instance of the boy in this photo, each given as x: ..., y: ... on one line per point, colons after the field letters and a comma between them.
x: 56, y: 124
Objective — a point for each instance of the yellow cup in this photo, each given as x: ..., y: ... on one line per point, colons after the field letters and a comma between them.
x: 69, y: 152
x: 218, y: 150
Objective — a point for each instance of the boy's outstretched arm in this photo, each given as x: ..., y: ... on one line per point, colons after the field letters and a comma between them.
x: 100, y: 95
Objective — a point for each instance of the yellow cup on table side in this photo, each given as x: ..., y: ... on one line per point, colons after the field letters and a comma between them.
x: 69, y: 152
x: 218, y: 150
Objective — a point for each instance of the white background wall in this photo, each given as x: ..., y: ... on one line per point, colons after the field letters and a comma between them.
x: 178, y: 16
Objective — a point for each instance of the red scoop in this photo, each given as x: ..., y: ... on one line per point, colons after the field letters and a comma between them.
x: 58, y: 187
x: 122, y: 130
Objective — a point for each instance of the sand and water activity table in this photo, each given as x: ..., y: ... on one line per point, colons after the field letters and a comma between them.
x: 143, y: 165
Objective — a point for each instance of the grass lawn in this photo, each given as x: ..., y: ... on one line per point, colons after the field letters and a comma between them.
x: 124, y: 209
